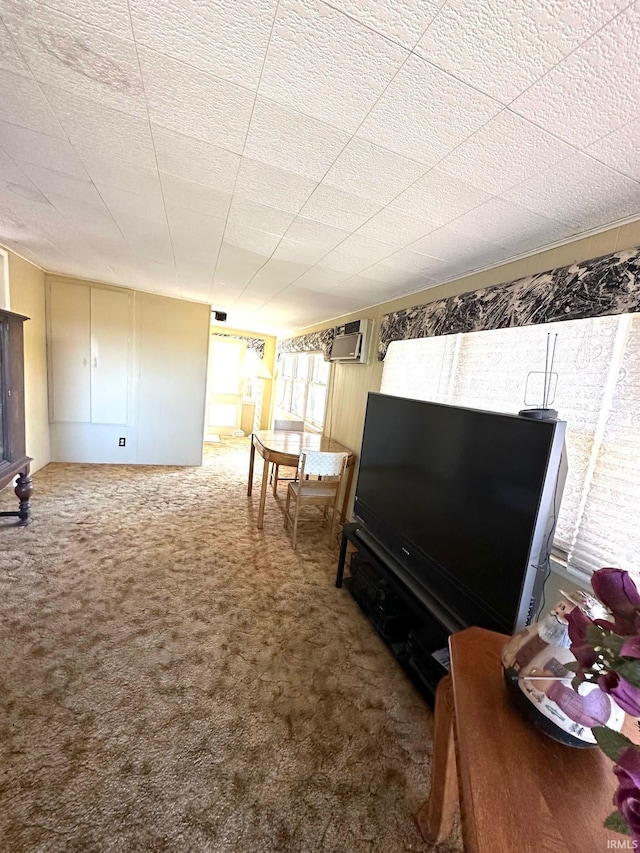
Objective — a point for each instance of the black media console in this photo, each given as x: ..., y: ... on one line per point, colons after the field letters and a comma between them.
x: 414, y: 626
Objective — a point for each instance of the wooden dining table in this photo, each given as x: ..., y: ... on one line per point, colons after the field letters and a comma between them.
x: 284, y: 448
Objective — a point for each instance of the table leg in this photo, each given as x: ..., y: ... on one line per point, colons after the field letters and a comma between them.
x: 252, y: 457
x: 263, y: 493
x: 347, y: 490
x: 435, y: 817
x: 342, y: 559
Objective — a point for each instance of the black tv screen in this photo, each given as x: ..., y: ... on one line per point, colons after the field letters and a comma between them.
x: 454, y: 495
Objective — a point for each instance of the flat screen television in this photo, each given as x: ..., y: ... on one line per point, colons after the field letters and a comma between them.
x: 464, y: 502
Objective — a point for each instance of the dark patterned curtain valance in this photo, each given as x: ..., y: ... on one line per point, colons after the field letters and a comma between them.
x: 314, y: 342
x: 255, y: 344
x: 594, y: 288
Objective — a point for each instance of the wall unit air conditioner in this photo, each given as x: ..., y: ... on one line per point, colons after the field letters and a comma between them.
x: 351, y: 342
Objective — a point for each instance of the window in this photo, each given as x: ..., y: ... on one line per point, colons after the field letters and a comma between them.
x: 302, y: 386
x: 597, y: 367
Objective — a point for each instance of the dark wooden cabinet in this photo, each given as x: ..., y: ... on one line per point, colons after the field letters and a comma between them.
x: 14, y: 462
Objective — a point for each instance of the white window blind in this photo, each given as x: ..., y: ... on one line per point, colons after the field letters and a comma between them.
x: 598, y: 393
x: 301, y: 387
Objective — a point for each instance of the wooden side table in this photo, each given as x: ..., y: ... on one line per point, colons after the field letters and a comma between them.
x: 518, y: 790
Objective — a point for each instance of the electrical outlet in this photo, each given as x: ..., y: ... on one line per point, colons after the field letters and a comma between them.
x: 122, y: 441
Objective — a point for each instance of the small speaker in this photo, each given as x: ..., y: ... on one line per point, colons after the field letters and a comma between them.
x: 220, y: 315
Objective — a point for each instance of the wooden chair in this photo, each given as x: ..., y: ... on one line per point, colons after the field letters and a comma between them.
x: 287, y: 426
x: 323, y: 492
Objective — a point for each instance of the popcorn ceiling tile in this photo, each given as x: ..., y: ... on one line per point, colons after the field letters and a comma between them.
x: 259, y: 217
x: 97, y: 131
x: 10, y: 59
x: 372, y: 291
x: 393, y: 276
x: 306, y: 241
x: 76, y: 56
x: 14, y: 178
x: 236, y: 267
x: 425, y: 113
x: 29, y: 146
x: 439, y: 198
x: 403, y: 21
x: 22, y: 103
x: 292, y: 141
x: 523, y: 38
x: 303, y: 303
x: 335, y: 207
x: 179, y: 193
x: 114, y: 173
x: 194, y: 103
x: 200, y: 257
x: 195, y: 160
x: 57, y: 183
x: 140, y: 212
x: 506, y: 223
x: 299, y: 251
x: 266, y: 184
x: 192, y: 230
x: 194, y: 278
x: 321, y: 278
x: 315, y: 234
x: 274, y: 276
x: 594, y: 90
x: 251, y: 240
x: 450, y: 241
x: 580, y: 192
x: 505, y: 152
x: 414, y: 262
x: 620, y: 150
x: 357, y: 253
x: 322, y: 63
x: 228, y: 39
x: 149, y: 247
x: 112, y: 16
x: 393, y: 226
x: 368, y: 171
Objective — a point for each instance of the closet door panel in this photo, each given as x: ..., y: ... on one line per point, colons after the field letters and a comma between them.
x: 70, y: 353
x: 111, y: 325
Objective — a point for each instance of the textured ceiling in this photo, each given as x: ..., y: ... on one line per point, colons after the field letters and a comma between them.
x: 292, y: 161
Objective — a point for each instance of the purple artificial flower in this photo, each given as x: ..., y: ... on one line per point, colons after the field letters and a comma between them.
x: 631, y: 648
x: 627, y: 797
x: 581, y: 649
x: 624, y: 694
x: 617, y: 591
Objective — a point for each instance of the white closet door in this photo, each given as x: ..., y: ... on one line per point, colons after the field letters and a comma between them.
x: 111, y: 325
x: 70, y: 353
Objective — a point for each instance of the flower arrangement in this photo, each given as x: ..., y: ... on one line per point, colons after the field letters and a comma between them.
x: 607, y: 653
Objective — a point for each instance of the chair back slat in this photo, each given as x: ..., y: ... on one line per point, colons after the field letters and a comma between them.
x: 320, y: 463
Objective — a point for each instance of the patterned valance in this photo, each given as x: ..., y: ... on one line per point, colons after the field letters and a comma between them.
x: 594, y: 288
x: 255, y: 344
x: 314, y: 342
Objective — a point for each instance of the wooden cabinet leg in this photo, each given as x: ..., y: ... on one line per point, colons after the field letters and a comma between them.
x: 24, y: 490
x: 435, y: 817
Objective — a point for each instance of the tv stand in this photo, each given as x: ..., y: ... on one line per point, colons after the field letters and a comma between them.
x: 415, y: 626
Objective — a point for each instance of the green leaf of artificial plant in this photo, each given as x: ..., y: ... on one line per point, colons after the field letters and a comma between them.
x: 617, y: 823
x: 629, y: 670
x: 610, y: 742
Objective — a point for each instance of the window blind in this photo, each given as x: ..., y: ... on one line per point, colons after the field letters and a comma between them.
x: 598, y: 393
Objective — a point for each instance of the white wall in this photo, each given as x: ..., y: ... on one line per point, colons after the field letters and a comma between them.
x: 168, y: 391
x: 26, y: 287
x: 174, y: 342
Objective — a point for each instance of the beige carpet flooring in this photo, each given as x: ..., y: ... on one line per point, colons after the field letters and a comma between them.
x: 173, y: 679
